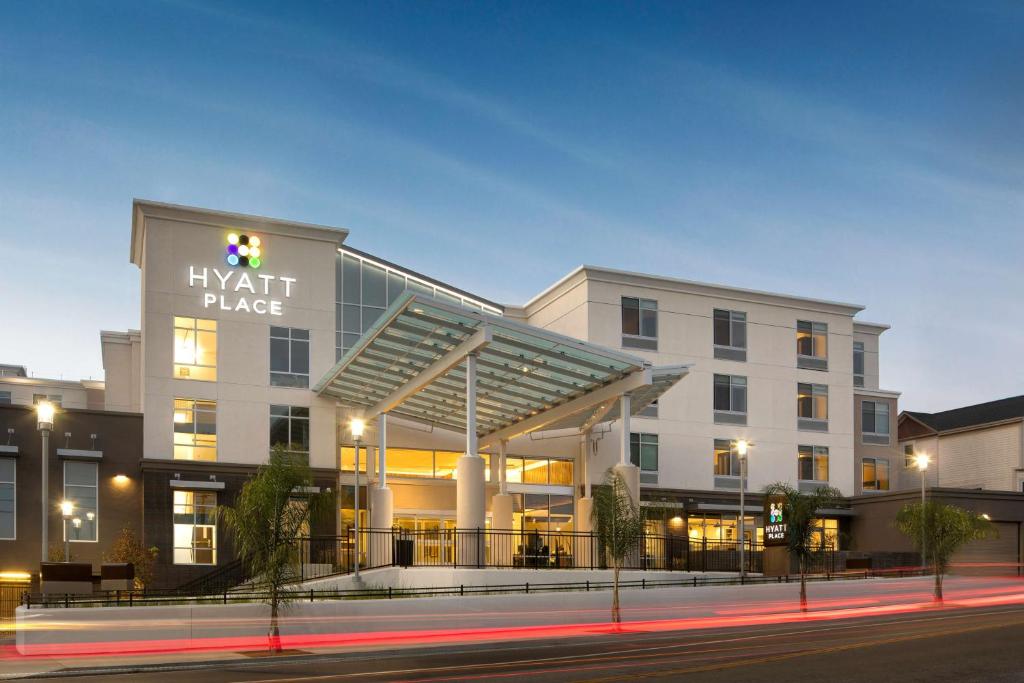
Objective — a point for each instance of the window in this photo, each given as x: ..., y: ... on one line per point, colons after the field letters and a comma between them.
x: 643, y: 451
x: 55, y: 399
x: 195, y: 429
x: 875, y: 421
x: 195, y: 349
x: 812, y: 406
x: 289, y: 427
x: 8, y: 499
x: 5, y: 398
x: 538, y: 471
x: 730, y: 333
x: 908, y: 456
x: 811, y: 345
x: 81, y: 487
x: 858, y: 364
x: 825, y: 533
x: 875, y: 474
x: 730, y: 399
x: 727, y: 461
x: 289, y: 357
x: 195, y: 529
x: 812, y: 464
x: 424, y: 463
x: 640, y: 323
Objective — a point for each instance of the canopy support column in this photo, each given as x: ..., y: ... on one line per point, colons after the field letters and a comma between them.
x: 630, y: 473
x: 382, y: 500
x: 470, y: 491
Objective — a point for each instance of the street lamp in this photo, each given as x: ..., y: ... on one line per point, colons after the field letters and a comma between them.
x: 921, y: 460
x: 356, y: 426
x: 67, y: 509
x: 742, y: 446
x: 44, y: 423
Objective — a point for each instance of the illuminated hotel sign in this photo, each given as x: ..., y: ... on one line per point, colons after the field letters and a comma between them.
x: 235, y: 289
x: 775, y: 527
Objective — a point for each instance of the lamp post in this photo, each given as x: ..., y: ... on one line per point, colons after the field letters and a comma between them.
x: 922, y: 460
x: 67, y: 509
x: 741, y: 450
x: 44, y: 423
x: 357, y: 426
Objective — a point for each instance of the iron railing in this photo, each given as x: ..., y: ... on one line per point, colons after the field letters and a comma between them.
x: 330, y: 555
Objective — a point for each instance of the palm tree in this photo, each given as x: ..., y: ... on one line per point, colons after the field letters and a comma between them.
x: 800, y: 510
x: 620, y: 527
x: 270, y: 513
x: 944, y: 529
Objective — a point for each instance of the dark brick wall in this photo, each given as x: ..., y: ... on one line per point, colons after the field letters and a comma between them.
x: 119, y: 437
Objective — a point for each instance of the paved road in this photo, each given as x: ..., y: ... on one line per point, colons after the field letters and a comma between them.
x: 962, y: 645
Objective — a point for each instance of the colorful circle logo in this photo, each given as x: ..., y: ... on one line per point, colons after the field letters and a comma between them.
x: 244, y: 250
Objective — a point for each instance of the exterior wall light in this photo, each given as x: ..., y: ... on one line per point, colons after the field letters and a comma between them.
x: 67, y: 508
x: 357, y: 426
x: 120, y: 480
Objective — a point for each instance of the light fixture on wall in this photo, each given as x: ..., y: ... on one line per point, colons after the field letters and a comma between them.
x: 120, y: 480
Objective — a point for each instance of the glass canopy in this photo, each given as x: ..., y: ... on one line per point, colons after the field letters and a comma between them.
x: 412, y: 363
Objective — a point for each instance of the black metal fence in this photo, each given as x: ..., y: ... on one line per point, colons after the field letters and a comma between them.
x: 535, y: 549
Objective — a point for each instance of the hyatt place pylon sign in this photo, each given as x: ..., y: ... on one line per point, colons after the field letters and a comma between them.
x: 775, y: 527
x: 233, y: 289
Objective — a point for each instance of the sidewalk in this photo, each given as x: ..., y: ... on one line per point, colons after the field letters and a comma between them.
x: 118, y: 635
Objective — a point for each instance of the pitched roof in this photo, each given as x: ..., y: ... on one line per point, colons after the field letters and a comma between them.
x: 972, y: 416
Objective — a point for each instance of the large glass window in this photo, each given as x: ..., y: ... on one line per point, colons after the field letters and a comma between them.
x: 195, y: 527
x: 730, y: 329
x: 858, y: 364
x: 875, y: 474
x: 643, y: 451
x: 542, y: 513
x: 195, y: 348
x: 812, y: 345
x: 519, y: 470
x: 825, y: 533
x: 875, y: 418
x: 8, y: 499
x: 289, y: 427
x: 289, y: 357
x: 195, y: 429
x: 640, y: 323
x: 81, y: 487
x: 730, y: 394
x: 727, y: 460
x: 415, y: 462
x: 812, y: 401
x: 5, y: 398
x: 812, y: 463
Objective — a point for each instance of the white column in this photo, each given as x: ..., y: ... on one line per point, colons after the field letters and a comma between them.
x: 630, y: 472
x: 503, y: 541
x: 382, y: 502
x: 470, y: 486
x: 502, y: 471
x: 625, y: 409
x: 584, y: 523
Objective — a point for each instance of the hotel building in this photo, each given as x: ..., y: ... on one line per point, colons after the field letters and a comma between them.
x: 256, y: 332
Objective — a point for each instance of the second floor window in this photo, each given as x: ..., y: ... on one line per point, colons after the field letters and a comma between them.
x: 811, y: 345
x: 643, y: 451
x: 858, y: 364
x: 812, y: 463
x: 730, y: 332
x: 875, y: 474
x: 812, y: 406
x: 289, y: 428
x: 727, y: 461
x: 730, y: 400
x: 909, y: 459
x: 195, y: 348
x: 195, y: 429
x: 289, y: 357
x: 639, y: 323
x: 8, y: 499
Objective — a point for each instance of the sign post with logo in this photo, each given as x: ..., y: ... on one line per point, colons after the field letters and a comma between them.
x: 776, y: 536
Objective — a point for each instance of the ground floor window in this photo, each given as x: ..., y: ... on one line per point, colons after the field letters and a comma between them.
x: 541, y: 512
x: 723, y: 527
x: 81, y: 487
x: 195, y: 528
x: 8, y: 499
x: 825, y: 534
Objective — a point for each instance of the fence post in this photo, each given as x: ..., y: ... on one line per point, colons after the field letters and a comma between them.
x: 67, y: 599
x: 225, y: 596
x: 527, y: 587
x: 479, y: 548
x: 389, y: 592
x: 311, y: 595
x: 588, y: 585
x: 704, y: 554
x: 462, y: 589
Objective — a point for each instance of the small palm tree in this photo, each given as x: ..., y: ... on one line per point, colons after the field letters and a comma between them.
x: 800, y: 511
x: 944, y: 529
x: 269, y: 515
x: 620, y: 527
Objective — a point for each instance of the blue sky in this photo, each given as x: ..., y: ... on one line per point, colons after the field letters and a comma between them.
x: 862, y: 152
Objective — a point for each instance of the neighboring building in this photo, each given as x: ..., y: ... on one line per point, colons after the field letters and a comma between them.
x: 17, y: 388
x: 974, y: 447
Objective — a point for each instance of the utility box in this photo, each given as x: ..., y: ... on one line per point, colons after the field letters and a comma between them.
x: 65, y: 577
x: 117, y: 576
